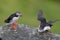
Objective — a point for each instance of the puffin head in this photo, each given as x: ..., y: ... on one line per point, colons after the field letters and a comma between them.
x: 19, y: 14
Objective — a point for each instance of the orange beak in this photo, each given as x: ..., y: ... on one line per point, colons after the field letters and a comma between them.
x: 20, y: 15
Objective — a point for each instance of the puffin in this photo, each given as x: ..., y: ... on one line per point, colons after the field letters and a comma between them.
x: 44, y: 25
x: 12, y: 19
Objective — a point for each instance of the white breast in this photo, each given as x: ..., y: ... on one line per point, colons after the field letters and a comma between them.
x: 14, y: 19
x: 46, y: 28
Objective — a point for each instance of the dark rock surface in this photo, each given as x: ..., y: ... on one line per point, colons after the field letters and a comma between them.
x: 25, y: 32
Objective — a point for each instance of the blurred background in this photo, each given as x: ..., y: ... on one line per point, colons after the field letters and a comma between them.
x: 29, y: 9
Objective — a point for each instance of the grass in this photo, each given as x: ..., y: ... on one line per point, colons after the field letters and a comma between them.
x: 29, y: 10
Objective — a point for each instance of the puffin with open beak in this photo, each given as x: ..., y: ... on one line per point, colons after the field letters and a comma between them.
x: 12, y: 19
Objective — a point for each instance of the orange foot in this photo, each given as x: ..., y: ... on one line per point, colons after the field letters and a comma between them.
x: 14, y: 26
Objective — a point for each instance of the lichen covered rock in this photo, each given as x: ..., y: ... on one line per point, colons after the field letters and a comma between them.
x: 25, y: 32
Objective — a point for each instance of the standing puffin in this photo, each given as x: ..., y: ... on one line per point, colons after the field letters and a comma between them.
x: 12, y: 19
x: 44, y: 26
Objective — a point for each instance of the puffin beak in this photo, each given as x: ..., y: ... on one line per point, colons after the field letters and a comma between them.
x: 21, y: 15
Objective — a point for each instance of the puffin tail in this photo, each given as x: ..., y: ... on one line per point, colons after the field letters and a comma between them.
x: 6, y: 21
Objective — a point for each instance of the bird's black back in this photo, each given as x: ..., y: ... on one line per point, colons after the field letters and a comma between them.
x: 10, y: 18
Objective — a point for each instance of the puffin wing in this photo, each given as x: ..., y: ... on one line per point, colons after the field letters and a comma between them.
x: 53, y: 21
x: 40, y: 17
x: 40, y: 14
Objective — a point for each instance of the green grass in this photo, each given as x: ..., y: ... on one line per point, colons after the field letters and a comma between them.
x: 29, y: 8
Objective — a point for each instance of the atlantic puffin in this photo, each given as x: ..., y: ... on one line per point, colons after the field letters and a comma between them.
x: 12, y: 19
x: 44, y: 26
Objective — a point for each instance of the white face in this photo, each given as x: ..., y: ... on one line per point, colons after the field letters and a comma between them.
x: 19, y: 14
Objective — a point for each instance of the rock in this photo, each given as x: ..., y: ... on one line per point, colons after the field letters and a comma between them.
x: 25, y: 32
